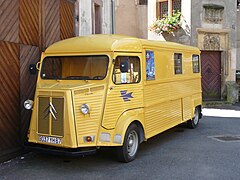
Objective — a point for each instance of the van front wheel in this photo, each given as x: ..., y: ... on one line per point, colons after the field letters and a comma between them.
x: 128, y: 151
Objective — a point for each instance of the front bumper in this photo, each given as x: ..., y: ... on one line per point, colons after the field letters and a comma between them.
x: 72, y: 152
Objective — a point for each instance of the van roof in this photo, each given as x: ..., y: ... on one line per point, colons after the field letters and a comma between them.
x: 108, y: 43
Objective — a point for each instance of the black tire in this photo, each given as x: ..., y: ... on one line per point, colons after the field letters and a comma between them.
x: 128, y: 151
x: 193, y: 123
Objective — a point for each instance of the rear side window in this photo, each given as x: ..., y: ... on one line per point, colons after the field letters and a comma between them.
x: 177, y: 63
x: 195, y: 63
x: 126, y: 70
x: 150, y: 65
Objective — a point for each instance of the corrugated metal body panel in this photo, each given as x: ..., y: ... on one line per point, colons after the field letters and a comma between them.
x: 9, y: 14
x: 162, y: 116
x: 87, y: 125
x: 51, y: 22
x: 158, y: 93
x: 163, y: 103
x: 185, y: 87
x: 66, y: 19
x: 116, y: 105
x: 28, y: 55
x: 187, y: 106
x: 9, y: 96
x: 29, y: 22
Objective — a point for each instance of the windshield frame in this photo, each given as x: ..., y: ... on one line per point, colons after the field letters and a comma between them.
x: 75, y: 78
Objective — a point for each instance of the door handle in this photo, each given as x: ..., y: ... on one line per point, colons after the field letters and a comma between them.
x: 111, y: 88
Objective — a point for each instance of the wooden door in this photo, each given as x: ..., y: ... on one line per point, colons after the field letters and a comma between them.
x: 9, y: 78
x: 66, y: 19
x: 211, y: 75
x: 97, y: 16
x: 27, y: 28
x: 9, y: 98
x: 52, y: 23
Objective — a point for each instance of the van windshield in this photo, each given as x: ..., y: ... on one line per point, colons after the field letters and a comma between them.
x: 75, y: 67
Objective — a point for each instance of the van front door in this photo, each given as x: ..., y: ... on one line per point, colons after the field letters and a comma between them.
x: 125, y: 90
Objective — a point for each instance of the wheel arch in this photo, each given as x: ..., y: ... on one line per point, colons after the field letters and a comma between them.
x: 128, y: 118
x: 200, y: 110
x: 141, y: 130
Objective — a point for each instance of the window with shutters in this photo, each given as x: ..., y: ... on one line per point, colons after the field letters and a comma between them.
x: 162, y: 7
x: 142, y: 2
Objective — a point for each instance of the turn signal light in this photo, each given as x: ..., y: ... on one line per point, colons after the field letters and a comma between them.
x: 89, y: 138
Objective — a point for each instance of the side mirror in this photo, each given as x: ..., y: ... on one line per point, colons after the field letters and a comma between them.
x: 124, y: 67
x: 33, y: 69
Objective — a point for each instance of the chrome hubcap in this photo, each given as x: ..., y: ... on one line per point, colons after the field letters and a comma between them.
x: 132, y: 143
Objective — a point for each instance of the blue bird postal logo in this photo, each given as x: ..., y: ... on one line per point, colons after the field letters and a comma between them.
x: 126, y: 96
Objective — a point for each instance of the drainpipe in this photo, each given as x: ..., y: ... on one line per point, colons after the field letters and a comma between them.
x: 113, y: 18
x: 170, y: 8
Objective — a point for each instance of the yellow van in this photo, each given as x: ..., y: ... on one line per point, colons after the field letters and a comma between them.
x: 111, y: 90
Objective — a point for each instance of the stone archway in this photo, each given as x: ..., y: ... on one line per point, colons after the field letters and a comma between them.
x: 215, y: 47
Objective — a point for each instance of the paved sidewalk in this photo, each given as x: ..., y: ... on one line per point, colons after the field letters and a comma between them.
x: 225, y: 110
x: 221, y: 105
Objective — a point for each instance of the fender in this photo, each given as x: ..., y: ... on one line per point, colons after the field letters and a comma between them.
x: 197, y: 102
x: 126, y: 119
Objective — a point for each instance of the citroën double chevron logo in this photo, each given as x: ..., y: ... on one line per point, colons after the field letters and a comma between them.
x: 50, y: 110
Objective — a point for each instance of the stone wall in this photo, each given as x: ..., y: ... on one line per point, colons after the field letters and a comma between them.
x: 238, y: 40
x: 214, y: 28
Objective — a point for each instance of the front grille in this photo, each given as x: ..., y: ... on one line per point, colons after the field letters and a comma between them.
x: 57, y: 124
x: 43, y: 115
x: 51, y: 115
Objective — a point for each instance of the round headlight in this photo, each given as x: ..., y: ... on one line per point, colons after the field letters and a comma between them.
x: 85, y: 109
x: 28, y: 104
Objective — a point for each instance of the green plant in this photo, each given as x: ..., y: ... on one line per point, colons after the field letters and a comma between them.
x: 167, y: 24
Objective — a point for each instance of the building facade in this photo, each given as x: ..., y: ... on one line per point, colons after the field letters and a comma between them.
x: 131, y: 18
x: 93, y: 17
x: 210, y: 25
x: 238, y: 44
x: 215, y: 33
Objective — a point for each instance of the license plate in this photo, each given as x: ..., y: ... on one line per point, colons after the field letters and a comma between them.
x: 49, y: 139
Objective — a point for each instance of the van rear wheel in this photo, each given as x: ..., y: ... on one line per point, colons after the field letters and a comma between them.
x: 193, y: 123
x: 128, y: 151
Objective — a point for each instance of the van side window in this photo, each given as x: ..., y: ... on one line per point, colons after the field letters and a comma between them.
x: 195, y: 63
x: 126, y: 70
x: 178, y: 63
